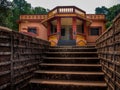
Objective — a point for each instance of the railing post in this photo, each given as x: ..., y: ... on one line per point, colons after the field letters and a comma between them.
x: 114, y: 56
x: 11, y: 60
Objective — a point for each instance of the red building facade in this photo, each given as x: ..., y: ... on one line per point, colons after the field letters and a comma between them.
x: 64, y: 25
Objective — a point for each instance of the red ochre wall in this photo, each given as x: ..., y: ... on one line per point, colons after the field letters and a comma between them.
x: 92, y: 39
x: 42, y: 33
x: 41, y: 29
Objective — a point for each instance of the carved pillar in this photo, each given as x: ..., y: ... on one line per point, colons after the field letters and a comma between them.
x: 85, y: 29
x: 48, y: 28
x: 74, y: 27
x: 58, y: 27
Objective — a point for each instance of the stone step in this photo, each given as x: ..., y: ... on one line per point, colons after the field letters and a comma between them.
x: 72, y: 67
x: 75, y: 58
x: 69, y: 72
x: 69, y: 60
x: 69, y: 68
x: 63, y: 82
x: 69, y: 75
x: 90, y: 46
x: 71, y: 54
x: 68, y: 84
x: 72, y: 49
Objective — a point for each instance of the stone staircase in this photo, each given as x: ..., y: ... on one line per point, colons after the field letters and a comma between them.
x: 69, y: 68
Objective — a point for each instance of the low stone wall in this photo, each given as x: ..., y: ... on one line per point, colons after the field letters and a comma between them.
x: 108, y: 45
x: 20, y: 55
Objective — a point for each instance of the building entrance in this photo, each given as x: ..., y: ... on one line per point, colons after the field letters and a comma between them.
x: 66, y: 32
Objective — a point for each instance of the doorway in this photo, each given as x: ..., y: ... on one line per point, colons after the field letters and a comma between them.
x: 66, y: 32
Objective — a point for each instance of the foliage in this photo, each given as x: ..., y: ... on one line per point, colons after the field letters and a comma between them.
x: 101, y: 10
x: 5, y: 6
x: 110, y: 13
x: 19, y: 7
x: 113, y: 12
x: 10, y: 12
x: 40, y: 10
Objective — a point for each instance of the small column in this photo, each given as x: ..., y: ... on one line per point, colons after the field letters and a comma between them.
x: 58, y: 27
x: 85, y: 29
x: 48, y: 28
x: 74, y: 27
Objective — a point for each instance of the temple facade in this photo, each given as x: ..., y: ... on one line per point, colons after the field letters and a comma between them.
x: 64, y: 25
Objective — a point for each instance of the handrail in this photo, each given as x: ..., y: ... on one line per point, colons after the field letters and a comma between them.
x: 66, y: 9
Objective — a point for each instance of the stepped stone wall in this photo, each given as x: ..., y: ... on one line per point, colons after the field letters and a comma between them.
x: 108, y: 45
x: 20, y: 55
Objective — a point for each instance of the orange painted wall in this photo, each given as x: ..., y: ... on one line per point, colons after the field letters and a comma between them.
x: 42, y: 33
x: 92, y: 39
x: 41, y: 29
